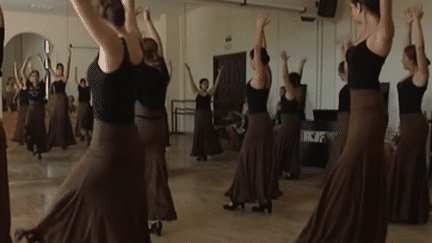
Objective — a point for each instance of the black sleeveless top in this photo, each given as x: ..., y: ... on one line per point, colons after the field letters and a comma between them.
x: 113, y: 93
x: 36, y: 94
x: 203, y: 102
x: 344, y: 99
x: 22, y: 97
x: 364, y: 67
x: 257, y: 99
x: 59, y: 87
x: 83, y: 94
x: 152, y: 87
x: 410, y: 96
x: 289, y: 106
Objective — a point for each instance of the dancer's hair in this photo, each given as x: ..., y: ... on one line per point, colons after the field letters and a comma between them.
x: 295, y: 79
x: 111, y: 10
x: 60, y: 65
x: 265, y: 58
x: 341, y: 67
x: 410, y: 52
x: 372, y: 6
x: 34, y: 71
x: 202, y: 81
x: 150, y: 47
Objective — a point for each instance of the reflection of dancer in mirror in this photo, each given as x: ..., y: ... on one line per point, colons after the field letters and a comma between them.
x: 103, y: 199
x: 205, y: 141
x: 151, y: 120
x: 237, y: 130
x: 353, y: 206
x: 407, y: 185
x: 338, y: 143
x: 60, y: 131
x: 286, y: 147
x: 83, y: 110
x: 256, y: 178
x: 23, y: 104
x: 5, y: 215
x: 34, y: 126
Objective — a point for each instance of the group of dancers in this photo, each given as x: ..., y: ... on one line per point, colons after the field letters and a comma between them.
x: 118, y: 192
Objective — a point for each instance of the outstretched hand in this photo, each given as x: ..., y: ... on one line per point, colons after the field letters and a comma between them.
x: 220, y: 69
x: 147, y: 14
x: 262, y: 20
x: 284, y: 56
x: 408, y: 16
x: 418, y: 12
x: 303, y: 61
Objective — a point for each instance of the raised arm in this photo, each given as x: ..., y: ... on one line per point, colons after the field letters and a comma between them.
x: 76, y: 76
x: 99, y: 29
x: 264, y: 42
x: 17, y: 77
x: 131, y: 23
x: 192, y: 83
x: 301, y: 67
x: 67, y: 71
x: 260, y: 71
x: 170, y: 71
x: 289, y: 87
x: 384, y: 38
x: 421, y: 76
x: 23, y: 68
x: 152, y: 32
x: 45, y: 72
x: 408, y: 19
x: 2, y: 34
x: 212, y: 91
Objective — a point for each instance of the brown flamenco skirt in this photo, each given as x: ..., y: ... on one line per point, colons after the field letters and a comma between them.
x: 353, y: 205
x: 151, y: 128
x: 5, y: 215
x: 34, y: 128
x: 83, y: 108
x: 60, y: 129
x: 103, y: 199
x: 19, y: 129
x: 205, y: 140
x: 337, y: 146
x: 256, y: 177
x: 286, y: 150
x: 407, y: 185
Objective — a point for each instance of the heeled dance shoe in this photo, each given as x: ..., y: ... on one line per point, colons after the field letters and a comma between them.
x: 262, y: 207
x: 232, y: 206
x: 156, y: 228
x: 289, y: 176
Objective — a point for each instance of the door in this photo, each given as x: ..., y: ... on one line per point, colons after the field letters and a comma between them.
x: 230, y: 96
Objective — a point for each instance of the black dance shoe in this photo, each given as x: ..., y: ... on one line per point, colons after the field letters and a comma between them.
x: 199, y: 158
x: 205, y: 158
x: 156, y: 228
x: 289, y: 176
x: 261, y: 208
x: 232, y: 206
x: 30, y: 237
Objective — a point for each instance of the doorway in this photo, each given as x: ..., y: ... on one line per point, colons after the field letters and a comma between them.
x: 230, y: 96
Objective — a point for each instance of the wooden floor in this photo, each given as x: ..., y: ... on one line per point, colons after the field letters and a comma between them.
x: 198, y: 192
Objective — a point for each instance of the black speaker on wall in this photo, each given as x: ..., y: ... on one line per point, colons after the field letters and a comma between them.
x: 327, y: 8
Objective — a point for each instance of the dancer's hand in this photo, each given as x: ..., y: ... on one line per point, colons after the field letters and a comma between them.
x: 408, y: 16
x: 147, y: 14
x: 187, y: 67
x: 220, y: 69
x: 284, y: 56
x: 418, y: 12
x: 262, y: 20
x: 303, y: 61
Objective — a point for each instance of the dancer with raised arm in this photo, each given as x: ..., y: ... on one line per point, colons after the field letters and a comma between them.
x: 60, y: 131
x: 409, y: 198
x: 23, y: 105
x: 150, y: 118
x: 339, y: 141
x: 83, y: 109
x: 5, y: 215
x: 103, y: 199
x: 286, y: 150
x: 256, y: 177
x: 34, y: 126
x: 353, y: 205
x: 205, y: 140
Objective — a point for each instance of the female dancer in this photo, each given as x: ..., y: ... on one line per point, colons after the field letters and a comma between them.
x: 10, y: 93
x: 286, y: 153
x: 23, y: 103
x: 353, y: 204
x: 150, y: 118
x: 5, y: 215
x: 104, y: 197
x: 83, y: 107
x: 339, y: 141
x: 407, y: 185
x: 256, y: 177
x: 60, y: 129
x: 34, y: 126
x: 205, y: 141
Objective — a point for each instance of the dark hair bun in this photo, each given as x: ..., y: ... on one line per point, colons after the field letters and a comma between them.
x: 111, y: 10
